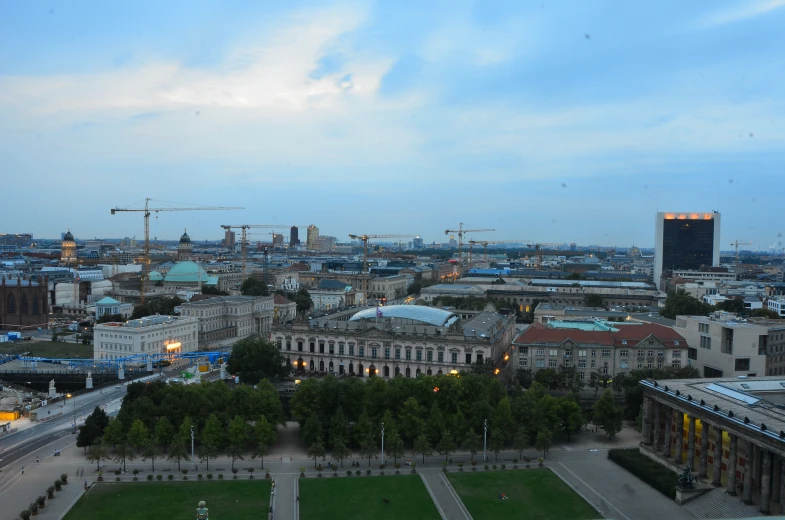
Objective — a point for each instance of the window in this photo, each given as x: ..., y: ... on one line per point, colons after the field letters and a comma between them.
x: 660, y: 354
x: 606, y: 353
x: 468, y: 359
x: 386, y: 352
x: 409, y: 354
x: 523, y: 350
x: 623, y: 353
x: 676, y: 365
x: 624, y: 364
x: 593, y: 363
x: 711, y: 372
x: 742, y: 364
x: 640, y: 365
x: 523, y: 362
x: 567, y: 362
x: 429, y: 355
x: 605, y: 368
x: 540, y: 352
x: 581, y: 353
x: 374, y: 352
x: 341, y: 349
x: 583, y: 375
x: 440, y: 357
x: 279, y: 343
x: 321, y: 347
x: 703, y: 327
x: 312, y: 347
x: 299, y: 346
x: 332, y: 348
x: 659, y: 363
x: 593, y: 353
x: 640, y: 354
x: 705, y: 342
x: 454, y: 356
x: 418, y: 354
x: 540, y: 363
x: 676, y: 354
x: 397, y: 353
x: 351, y: 349
x: 568, y: 353
x: 581, y: 363
x: 650, y: 353
x: 362, y: 351
x: 553, y: 352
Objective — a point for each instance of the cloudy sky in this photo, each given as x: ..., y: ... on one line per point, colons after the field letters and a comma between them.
x: 548, y: 121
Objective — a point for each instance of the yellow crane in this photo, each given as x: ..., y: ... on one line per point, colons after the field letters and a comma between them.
x: 485, y: 243
x: 736, y: 244
x: 147, y: 210
x: 365, y: 239
x: 538, y: 252
x: 461, y: 232
x: 244, y: 242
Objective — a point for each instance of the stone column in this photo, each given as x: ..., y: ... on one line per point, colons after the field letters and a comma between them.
x: 668, y: 435
x: 765, y: 482
x: 646, y: 422
x: 776, y: 469
x: 717, y: 467
x: 691, y: 443
x: 704, y: 460
x: 746, y: 495
x: 782, y: 484
x: 657, y: 426
x: 732, y: 458
x: 679, y: 437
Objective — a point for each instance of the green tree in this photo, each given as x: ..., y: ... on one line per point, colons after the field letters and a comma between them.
x: 496, y: 443
x: 471, y: 443
x: 339, y: 426
x: 520, y: 441
x: 151, y: 451
x: 570, y: 416
x: 435, y: 424
x: 123, y: 452
x: 312, y: 430
x: 595, y: 300
x: 210, y: 439
x: 138, y: 435
x: 316, y: 450
x: 303, y: 301
x: 679, y: 303
x: 607, y: 414
x: 446, y: 445
x: 184, y: 433
x: 179, y: 451
x: 369, y: 448
x: 485, y: 367
x: 264, y: 436
x: 363, y: 427
x: 114, y: 432
x: 422, y: 446
x: 254, y: 359
x: 97, y: 452
x: 410, y: 422
x: 543, y: 441
x: 254, y: 287
x: 502, y: 418
x: 394, y: 445
x: 238, y: 438
x: 164, y: 432
x: 524, y: 377
x: 340, y: 451
x: 93, y: 428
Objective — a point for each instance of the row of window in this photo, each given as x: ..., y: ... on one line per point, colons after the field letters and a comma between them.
x: 605, y: 353
x: 623, y: 364
x: 371, y: 371
x: 373, y: 352
x: 10, y: 307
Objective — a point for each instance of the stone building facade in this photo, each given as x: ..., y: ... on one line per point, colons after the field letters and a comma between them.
x: 24, y: 303
x: 226, y: 319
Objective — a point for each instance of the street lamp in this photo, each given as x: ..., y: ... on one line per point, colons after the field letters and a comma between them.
x: 485, y: 440
x: 73, y: 422
x: 382, y: 444
x: 192, y: 447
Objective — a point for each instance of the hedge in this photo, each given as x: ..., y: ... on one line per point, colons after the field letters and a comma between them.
x: 653, y: 473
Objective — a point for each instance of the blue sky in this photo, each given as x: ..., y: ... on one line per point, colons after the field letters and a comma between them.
x: 550, y: 121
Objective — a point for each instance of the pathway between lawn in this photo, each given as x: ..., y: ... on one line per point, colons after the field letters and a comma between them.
x: 447, y: 501
x: 286, y: 506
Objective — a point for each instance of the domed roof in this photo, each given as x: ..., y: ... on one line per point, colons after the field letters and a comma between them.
x: 427, y: 315
x: 68, y: 235
x: 154, y: 276
x: 185, y: 239
x: 189, y: 272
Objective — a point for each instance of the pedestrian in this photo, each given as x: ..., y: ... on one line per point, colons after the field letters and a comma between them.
x: 23, y: 470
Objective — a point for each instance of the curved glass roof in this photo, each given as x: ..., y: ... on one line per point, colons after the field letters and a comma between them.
x: 429, y: 315
x: 186, y: 272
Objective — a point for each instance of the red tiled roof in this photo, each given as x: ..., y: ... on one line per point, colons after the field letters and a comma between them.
x: 627, y: 335
x: 281, y: 300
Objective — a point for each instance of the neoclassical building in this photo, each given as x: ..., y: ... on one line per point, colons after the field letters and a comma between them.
x: 731, y: 431
x: 24, y: 303
x: 68, y: 249
x: 406, y: 340
x: 226, y: 319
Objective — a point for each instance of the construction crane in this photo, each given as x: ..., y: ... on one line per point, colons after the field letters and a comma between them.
x: 365, y: 239
x: 736, y: 244
x: 461, y: 232
x: 244, y: 242
x: 538, y: 252
x: 147, y: 210
x: 485, y: 243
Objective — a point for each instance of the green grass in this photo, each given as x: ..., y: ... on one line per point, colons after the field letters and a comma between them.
x: 537, y: 494
x: 50, y: 349
x: 362, y: 498
x: 238, y: 500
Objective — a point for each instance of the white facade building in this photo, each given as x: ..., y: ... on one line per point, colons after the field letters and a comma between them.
x: 776, y: 305
x: 151, y: 335
x: 226, y: 319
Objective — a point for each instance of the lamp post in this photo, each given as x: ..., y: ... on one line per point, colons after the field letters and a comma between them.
x: 192, y: 447
x: 73, y: 421
x: 382, y: 444
x: 485, y: 440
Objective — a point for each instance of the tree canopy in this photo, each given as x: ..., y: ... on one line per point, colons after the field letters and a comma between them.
x: 164, y: 306
x: 255, y: 358
x: 253, y: 286
x: 679, y: 303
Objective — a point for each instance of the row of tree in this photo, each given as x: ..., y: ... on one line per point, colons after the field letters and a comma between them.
x: 680, y: 303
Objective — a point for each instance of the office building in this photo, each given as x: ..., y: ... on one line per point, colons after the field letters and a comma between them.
x: 229, y: 239
x: 150, y: 335
x: 417, y: 243
x: 277, y: 240
x: 294, y: 236
x: 686, y: 241
x: 312, y: 237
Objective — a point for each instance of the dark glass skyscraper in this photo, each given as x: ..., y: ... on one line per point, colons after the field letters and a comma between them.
x: 294, y: 238
x: 686, y: 241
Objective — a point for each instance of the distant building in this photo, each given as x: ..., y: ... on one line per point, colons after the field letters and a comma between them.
x: 285, y: 310
x: 17, y: 240
x: 417, y: 243
x: 313, y: 236
x: 229, y: 239
x: 150, y: 335
x: 277, y: 240
x: 111, y: 306
x: 185, y: 248
x: 685, y: 241
x: 68, y: 249
x: 230, y: 318
x: 23, y: 302
x: 776, y: 305
x: 294, y: 236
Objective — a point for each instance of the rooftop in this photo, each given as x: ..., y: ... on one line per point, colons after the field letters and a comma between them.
x: 223, y: 299
x: 426, y: 315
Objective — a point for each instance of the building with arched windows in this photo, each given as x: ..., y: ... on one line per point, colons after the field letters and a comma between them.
x: 185, y: 248
x: 23, y: 303
x: 396, y: 340
x: 68, y: 249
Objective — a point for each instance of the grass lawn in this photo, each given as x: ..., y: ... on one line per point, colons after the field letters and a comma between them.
x: 238, y: 500
x: 363, y: 498
x: 50, y: 349
x: 533, y: 494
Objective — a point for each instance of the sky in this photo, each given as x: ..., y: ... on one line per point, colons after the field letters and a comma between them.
x: 551, y: 121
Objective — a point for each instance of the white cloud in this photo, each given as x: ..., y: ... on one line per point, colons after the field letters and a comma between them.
x: 742, y: 12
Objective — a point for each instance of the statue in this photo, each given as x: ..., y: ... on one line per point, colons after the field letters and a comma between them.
x: 201, y: 511
x: 686, y: 480
x: 51, y: 384
x: 89, y: 374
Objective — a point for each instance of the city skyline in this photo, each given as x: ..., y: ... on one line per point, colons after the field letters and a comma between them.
x: 573, y: 123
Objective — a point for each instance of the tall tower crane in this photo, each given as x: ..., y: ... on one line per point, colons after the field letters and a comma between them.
x: 485, y: 243
x: 147, y: 210
x: 736, y: 244
x: 244, y: 243
x: 538, y: 251
x: 461, y: 232
x: 365, y: 239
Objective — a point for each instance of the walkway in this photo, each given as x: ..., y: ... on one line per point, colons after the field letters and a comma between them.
x: 718, y: 504
x: 447, y: 502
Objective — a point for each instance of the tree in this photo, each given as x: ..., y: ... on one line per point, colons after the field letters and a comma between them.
x: 93, y: 428
x: 254, y: 287
x: 543, y: 442
x: 422, y: 446
x: 446, y: 445
x: 497, y: 442
x: 303, y: 301
x: 138, y: 435
x: 502, y: 418
x: 550, y: 378
x: 363, y: 428
x: 410, y: 422
x: 123, y: 452
x: 210, y: 289
x: 312, y: 430
x: 618, y: 382
x: 110, y: 318
x: 679, y: 303
x: 570, y: 416
x: 238, y: 438
x: 178, y: 451
x: 471, y: 443
x: 151, y: 451
x: 485, y: 367
x: 254, y: 359
x: 340, y: 451
x: 607, y: 414
x: 369, y: 448
x: 164, y: 432
x: 524, y: 377
x: 520, y: 441
x: 735, y: 305
x: 184, y: 434
x: 264, y: 435
x: 114, y: 433
x: 316, y: 450
x: 414, y: 288
x: 394, y: 445
x: 594, y: 300
x: 339, y: 426
x: 435, y: 424
x: 97, y: 452
x: 210, y: 439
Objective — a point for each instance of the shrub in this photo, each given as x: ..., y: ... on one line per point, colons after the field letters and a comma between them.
x: 503, y: 466
x: 494, y: 466
x: 117, y: 479
x: 159, y: 477
x: 41, y: 501
x: 220, y: 476
x: 319, y: 474
x: 149, y: 477
x: 487, y: 467
x: 657, y: 476
x: 335, y: 474
x: 185, y: 477
x: 136, y: 472
x: 358, y: 472
x: 33, y: 507
x: 234, y: 470
x: 136, y: 479
x: 381, y: 466
x: 58, y: 484
x: 64, y: 478
x: 209, y: 476
x: 25, y: 515
x: 319, y: 467
x: 117, y: 472
x: 368, y: 472
x: 348, y: 473
x: 170, y: 477
x: 50, y: 491
x: 515, y: 461
x: 185, y: 471
x: 199, y: 476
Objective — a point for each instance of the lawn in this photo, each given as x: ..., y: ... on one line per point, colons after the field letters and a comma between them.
x: 50, y: 349
x: 363, y: 498
x: 533, y: 494
x: 238, y: 500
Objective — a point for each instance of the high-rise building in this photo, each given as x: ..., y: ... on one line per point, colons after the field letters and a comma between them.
x: 294, y: 238
x: 229, y: 239
x: 277, y: 239
x: 686, y: 241
x: 313, y: 236
x: 417, y: 243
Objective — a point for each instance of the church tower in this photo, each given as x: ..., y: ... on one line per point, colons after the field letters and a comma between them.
x: 185, y: 248
x: 68, y: 249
